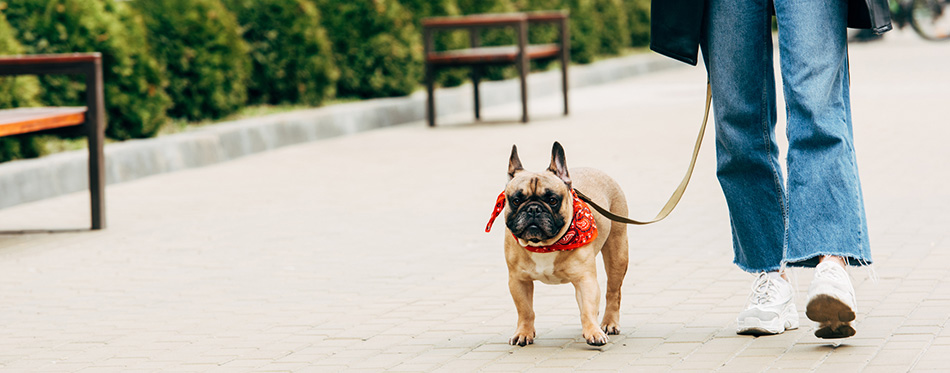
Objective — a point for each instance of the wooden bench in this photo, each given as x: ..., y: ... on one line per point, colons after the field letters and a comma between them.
x: 27, y: 120
x: 477, y: 56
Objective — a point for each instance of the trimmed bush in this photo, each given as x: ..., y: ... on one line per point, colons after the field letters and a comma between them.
x: 638, y: 21
x: 442, y: 40
x: 542, y: 33
x: 598, y: 27
x: 18, y: 147
x: 585, y: 31
x: 493, y: 36
x: 292, y: 58
x: 16, y: 91
x: 207, y: 62
x: 485, y: 6
x: 611, y: 26
x: 378, y: 50
x: 503, y: 36
x: 133, y: 86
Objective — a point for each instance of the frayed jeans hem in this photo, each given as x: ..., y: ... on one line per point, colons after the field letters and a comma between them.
x: 812, y: 260
x: 756, y: 270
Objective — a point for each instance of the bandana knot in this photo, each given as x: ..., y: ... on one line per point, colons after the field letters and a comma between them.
x: 582, y: 230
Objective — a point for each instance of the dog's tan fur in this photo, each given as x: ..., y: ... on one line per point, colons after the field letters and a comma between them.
x: 577, y: 266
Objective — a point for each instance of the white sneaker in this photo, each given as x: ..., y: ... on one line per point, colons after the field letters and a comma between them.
x: 771, y: 308
x: 831, y: 301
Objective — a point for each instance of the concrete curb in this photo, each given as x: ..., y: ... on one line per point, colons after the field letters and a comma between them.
x: 35, y: 179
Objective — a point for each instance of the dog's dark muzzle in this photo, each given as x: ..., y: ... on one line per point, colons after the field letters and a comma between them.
x: 535, y: 222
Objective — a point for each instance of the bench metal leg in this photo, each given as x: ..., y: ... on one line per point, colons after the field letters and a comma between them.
x: 95, y: 132
x: 428, y: 45
x: 523, y: 77
x: 523, y: 66
x: 430, y: 97
x: 564, y: 84
x: 565, y: 57
x: 475, y: 41
x: 476, y: 78
x: 564, y: 64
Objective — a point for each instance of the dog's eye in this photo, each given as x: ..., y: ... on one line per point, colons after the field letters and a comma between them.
x: 553, y: 201
x: 516, y: 200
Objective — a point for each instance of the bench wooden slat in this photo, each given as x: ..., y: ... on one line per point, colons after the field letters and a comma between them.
x: 498, y: 19
x: 25, y: 120
x: 488, y: 55
x: 33, y: 59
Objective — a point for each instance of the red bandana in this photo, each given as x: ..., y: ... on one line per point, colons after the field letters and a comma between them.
x: 582, y: 230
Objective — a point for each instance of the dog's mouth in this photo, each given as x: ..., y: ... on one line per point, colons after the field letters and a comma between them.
x: 533, y: 233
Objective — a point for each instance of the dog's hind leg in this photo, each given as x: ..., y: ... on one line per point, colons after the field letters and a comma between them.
x: 616, y: 259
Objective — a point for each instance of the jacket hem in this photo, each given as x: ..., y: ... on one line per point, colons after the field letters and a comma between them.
x: 673, y: 55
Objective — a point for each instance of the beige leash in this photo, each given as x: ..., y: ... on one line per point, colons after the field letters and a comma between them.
x: 677, y: 194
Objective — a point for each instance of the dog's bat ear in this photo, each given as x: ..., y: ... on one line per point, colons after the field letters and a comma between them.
x: 514, y: 163
x: 559, y: 164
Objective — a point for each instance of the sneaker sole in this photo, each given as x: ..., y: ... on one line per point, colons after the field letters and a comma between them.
x: 755, y: 326
x: 832, y: 315
x: 759, y: 330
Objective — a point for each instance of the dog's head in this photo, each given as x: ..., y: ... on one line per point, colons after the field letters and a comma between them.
x: 539, y: 208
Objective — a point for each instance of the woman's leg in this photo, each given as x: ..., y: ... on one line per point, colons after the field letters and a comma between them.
x: 826, y: 219
x: 825, y: 205
x: 738, y: 55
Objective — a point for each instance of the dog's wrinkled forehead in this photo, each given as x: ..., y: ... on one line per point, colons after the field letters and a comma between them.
x: 536, y: 184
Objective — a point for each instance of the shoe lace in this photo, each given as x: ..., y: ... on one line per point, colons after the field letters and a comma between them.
x: 832, y: 272
x: 763, y: 289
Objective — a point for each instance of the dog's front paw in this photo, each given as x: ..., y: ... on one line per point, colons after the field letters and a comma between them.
x: 596, y: 337
x: 522, y: 338
x: 610, y: 328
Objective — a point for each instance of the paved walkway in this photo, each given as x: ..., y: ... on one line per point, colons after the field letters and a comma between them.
x: 366, y: 253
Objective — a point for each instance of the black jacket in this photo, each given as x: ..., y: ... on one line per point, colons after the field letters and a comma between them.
x: 676, y: 25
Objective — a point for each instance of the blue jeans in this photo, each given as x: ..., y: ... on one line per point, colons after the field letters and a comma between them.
x: 820, y: 211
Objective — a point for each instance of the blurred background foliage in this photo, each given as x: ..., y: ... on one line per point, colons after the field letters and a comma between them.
x: 206, y: 60
x: 16, y: 91
x: 168, y: 61
x: 376, y: 46
x: 291, y: 55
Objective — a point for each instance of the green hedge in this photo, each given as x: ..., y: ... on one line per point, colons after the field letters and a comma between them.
x: 378, y: 49
x: 16, y: 92
x: 442, y: 40
x: 598, y: 27
x: 207, y: 62
x: 583, y: 23
x: 542, y: 33
x: 132, y: 79
x: 498, y: 36
x: 292, y: 58
x: 612, y: 26
x: 197, y: 59
x: 638, y: 21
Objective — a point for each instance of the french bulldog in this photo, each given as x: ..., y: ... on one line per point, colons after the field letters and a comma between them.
x: 554, y: 237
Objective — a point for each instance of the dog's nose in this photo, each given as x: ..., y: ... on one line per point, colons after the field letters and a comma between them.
x: 533, y: 211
